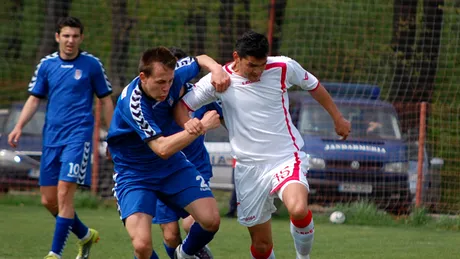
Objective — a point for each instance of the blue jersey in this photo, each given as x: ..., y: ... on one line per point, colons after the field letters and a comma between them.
x: 196, y: 152
x: 139, y: 119
x: 69, y: 86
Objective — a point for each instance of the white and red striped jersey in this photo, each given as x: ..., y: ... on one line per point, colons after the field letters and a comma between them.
x: 257, y: 113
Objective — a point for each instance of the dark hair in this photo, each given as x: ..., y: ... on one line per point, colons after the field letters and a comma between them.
x: 252, y: 44
x: 161, y: 55
x: 69, y: 22
x: 178, y: 53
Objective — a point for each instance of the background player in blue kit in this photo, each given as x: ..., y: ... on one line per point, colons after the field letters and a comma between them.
x: 197, y: 154
x: 69, y: 79
x: 148, y: 164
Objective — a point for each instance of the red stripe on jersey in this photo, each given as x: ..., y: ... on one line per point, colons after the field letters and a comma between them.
x: 228, y: 69
x: 316, y: 87
x: 283, y: 67
x: 186, y: 105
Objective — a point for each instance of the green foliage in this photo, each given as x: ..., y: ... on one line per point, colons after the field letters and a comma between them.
x: 418, y: 217
x: 364, y: 213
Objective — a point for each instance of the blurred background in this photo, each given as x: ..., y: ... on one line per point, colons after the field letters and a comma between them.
x: 396, y: 59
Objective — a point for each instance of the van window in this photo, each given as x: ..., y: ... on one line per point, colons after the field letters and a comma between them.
x: 366, y: 121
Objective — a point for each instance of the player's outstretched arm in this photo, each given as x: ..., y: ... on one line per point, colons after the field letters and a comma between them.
x: 165, y: 147
x: 342, y: 126
x: 219, y: 78
x: 29, y: 109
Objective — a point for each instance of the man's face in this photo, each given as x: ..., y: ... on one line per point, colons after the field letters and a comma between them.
x: 69, y: 40
x: 157, y: 85
x: 250, y: 67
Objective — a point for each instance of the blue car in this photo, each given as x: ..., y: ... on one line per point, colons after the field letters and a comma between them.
x: 372, y: 164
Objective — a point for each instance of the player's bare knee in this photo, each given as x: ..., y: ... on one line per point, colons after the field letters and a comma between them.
x: 171, y: 237
x: 49, y: 201
x: 211, y: 223
x: 298, y: 210
x: 142, y: 247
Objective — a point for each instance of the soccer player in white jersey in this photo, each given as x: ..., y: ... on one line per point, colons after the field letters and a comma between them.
x: 265, y: 142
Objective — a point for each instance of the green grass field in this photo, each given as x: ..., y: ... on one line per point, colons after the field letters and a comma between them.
x: 26, y: 232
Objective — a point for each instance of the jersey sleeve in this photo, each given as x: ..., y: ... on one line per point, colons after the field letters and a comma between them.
x: 38, y: 85
x: 139, y: 117
x: 203, y: 93
x: 297, y: 75
x: 186, y: 69
x: 99, y: 79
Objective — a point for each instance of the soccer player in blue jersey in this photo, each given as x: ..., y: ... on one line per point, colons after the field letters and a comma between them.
x: 69, y: 79
x: 148, y: 162
x: 197, y: 154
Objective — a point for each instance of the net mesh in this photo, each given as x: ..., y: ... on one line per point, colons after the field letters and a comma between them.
x: 408, y: 48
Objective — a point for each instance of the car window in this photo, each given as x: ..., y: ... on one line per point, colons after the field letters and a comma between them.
x: 366, y: 122
x: 33, y: 127
x: 217, y: 135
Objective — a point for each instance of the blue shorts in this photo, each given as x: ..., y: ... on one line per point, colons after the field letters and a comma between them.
x: 69, y: 163
x: 176, y: 191
x: 164, y: 214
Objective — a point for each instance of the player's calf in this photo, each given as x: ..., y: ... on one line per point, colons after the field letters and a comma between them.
x: 302, y: 226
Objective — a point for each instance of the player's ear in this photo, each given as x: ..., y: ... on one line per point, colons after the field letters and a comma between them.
x: 235, y: 56
x: 142, y: 77
x: 56, y: 37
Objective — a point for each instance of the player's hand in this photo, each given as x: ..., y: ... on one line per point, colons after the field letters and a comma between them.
x: 342, y: 127
x: 14, y: 137
x: 211, y: 120
x: 220, y: 80
x: 195, y: 127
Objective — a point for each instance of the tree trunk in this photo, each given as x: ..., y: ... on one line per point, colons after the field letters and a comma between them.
x: 14, y: 46
x: 280, y: 8
x: 226, y: 31
x: 403, y: 44
x: 428, y: 45
x: 121, y: 27
x: 55, y: 9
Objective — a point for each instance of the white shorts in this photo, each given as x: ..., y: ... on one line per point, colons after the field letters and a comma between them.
x: 258, y: 185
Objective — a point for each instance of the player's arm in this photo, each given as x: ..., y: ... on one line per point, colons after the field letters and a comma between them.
x: 38, y: 89
x: 219, y: 78
x: 297, y: 75
x: 165, y: 147
x: 29, y: 109
x: 107, y: 107
x: 202, y: 93
x: 103, y: 89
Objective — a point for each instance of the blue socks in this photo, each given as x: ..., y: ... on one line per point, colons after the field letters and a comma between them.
x: 78, y: 228
x: 61, y: 233
x: 196, y: 239
x: 169, y: 250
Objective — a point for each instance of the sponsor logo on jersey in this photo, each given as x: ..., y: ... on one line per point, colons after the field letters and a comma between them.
x: 78, y: 74
x: 306, y: 76
x: 66, y: 66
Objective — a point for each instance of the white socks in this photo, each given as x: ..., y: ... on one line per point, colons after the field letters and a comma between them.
x: 303, y: 239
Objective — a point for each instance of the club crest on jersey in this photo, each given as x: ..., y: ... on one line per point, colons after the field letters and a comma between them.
x: 170, y: 101
x: 77, y: 75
